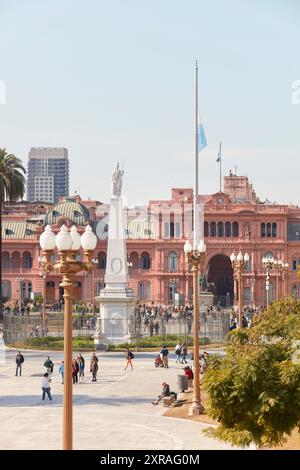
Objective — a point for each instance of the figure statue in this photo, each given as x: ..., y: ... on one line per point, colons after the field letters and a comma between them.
x: 246, y: 230
x: 117, y: 181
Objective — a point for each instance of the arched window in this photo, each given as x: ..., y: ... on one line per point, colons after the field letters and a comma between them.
x: 213, y: 229
x: 206, y: 229
x: 268, y: 229
x: 145, y: 261
x: 235, y: 229
x: 228, y: 229
x: 101, y: 260
x: 144, y: 290
x: 172, y: 261
x: 268, y: 254
x: 274, y: 230
x: 6, y: 290
x: 220, y: 229
x: 6, y: 261
x: 16, y: 261
x: 27, y: 260
x: 263, y: 229
x: 134, y: 259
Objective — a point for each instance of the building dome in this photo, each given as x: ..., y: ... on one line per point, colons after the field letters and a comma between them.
x: 67, y: 211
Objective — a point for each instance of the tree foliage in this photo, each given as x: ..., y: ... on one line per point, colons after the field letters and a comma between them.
x: 254, y: 390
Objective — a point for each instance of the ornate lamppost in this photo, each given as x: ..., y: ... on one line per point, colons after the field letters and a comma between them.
x: 68, y: 245
x: 284, y: 274
x: 239, y: 262
x: 268, y: 264
x: 281, y: 269
x: 195, y: 257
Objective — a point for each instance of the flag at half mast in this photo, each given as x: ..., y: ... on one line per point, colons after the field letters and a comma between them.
x: 202, y: 142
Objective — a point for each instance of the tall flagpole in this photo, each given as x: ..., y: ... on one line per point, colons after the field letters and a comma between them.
x: 196, y: 188
x: 220, y: 167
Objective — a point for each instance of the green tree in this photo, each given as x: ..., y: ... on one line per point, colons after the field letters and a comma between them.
x: 12, y: 188
x: 254, y: 390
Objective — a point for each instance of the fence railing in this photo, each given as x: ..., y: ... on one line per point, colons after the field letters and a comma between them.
x: 20, y: 330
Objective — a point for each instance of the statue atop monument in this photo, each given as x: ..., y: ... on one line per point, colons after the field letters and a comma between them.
x: 117, y: 177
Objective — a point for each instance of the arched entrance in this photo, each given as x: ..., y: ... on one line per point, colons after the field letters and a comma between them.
x: 220, y: 275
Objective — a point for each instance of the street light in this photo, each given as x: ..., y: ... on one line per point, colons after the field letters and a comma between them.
x: 238, y: 263
x: 68, y: 244
x: 281, y: 269
x: 268, y: 264
x: 196, y: 258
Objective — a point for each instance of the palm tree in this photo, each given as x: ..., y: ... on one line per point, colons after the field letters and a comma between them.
x: 12, y: 188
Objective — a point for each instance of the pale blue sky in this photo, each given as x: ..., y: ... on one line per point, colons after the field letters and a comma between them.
x: 114, y: 80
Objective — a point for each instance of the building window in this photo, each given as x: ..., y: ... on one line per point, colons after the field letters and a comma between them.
x: 268, y: 229
x: 144, y: 290
x: 172, y: 289
x: 220, y: 229
x: 206, y: 229
x: 27, y: 260
x: 213, y: 229
x: 172, y: 261
x: 166, y: 230
x: 6, y: 290
x: 102, y: 260
x: 263, y: 229
x: 145, y: 261
x: 235, y: 229
x: 228, y: 229
x: 296, y: 291
x: 274, y: 230
x: 177, y: 229
x: 172, y: 230
x: 295, y: 264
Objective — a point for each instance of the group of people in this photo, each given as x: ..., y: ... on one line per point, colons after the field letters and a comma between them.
x: 181, y: 353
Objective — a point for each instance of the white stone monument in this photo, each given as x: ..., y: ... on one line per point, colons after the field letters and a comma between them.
x: 117, y: 301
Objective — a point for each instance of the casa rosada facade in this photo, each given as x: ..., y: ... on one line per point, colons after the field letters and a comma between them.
x: 232, y: 220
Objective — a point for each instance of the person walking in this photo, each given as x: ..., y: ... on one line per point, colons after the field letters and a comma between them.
x: 129, y: 357
x: 94, y: 368
x: 81, y: 364
x: 46, y: 387
x: 178, y: 352
x: 61, y: 371
x: 183, y: 354
x: 49, y: 366
x: 19, y: 362
x: 75, y: 370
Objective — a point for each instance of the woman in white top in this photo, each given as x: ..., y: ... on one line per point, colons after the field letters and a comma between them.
x: 46, y: 387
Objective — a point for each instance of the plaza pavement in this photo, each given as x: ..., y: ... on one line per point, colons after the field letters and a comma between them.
x: 113, y: 413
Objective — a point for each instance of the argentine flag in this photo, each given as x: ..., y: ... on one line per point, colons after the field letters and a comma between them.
x: 202, y: 142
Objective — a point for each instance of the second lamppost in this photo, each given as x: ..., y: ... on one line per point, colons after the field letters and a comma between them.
x: 68, y: 245
x: 238, y: 263
x: 195, y: 257
x: 268, y: 264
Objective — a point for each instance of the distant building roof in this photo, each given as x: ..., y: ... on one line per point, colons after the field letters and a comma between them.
x: 18, y: 229
x: 139, y: 229
x: 70, y: 210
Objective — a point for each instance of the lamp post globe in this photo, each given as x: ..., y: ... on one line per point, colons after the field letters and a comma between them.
x: 63, y: 239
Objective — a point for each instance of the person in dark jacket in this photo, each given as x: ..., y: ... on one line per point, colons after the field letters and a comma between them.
x: 165, y: 393
x: 19, y: 362
x: 75, y: 370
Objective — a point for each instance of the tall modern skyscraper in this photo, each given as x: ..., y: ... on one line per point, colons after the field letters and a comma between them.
x: 48, y: 174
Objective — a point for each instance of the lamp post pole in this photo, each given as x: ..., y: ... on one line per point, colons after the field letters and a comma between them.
x: 268, y: 264
x: 238, y: 263
x: 196, y: 258
x: 68, y: 245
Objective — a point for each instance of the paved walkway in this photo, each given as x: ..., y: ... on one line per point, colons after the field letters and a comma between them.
x: 113, y: 413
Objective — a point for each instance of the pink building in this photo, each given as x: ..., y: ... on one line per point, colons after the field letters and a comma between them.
x: 234, y: 220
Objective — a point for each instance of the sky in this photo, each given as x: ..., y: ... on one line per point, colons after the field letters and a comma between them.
x: 114, y: 81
